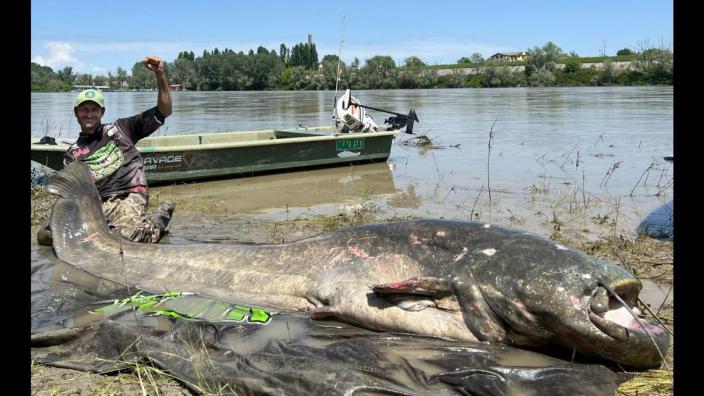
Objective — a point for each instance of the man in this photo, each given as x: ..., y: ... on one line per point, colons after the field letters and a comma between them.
x: 115, y: 164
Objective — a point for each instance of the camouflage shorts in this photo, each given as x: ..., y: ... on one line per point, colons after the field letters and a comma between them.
x: 128, y: 213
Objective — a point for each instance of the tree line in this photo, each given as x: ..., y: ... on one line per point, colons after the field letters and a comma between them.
x: 298, y: 68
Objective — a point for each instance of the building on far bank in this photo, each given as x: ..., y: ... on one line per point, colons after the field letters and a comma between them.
x: 510, y: 56
x: 98, y: 87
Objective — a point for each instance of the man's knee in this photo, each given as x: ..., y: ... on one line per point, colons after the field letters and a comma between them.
x: 130, y: 217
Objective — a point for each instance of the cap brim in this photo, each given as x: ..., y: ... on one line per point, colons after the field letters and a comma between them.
x: 88, y: 100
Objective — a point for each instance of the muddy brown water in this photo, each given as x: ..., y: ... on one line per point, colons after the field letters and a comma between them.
x: 577, y: 155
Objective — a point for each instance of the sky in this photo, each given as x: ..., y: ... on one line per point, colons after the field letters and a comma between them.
x: 98, y: 37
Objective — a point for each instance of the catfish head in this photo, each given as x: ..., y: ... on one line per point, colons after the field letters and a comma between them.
x: 524, y: 289
x: 532, y: 291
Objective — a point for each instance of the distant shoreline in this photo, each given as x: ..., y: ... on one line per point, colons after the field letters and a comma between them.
x: 485, y: 75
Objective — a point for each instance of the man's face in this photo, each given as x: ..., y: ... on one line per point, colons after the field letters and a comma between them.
x: 88, y: 115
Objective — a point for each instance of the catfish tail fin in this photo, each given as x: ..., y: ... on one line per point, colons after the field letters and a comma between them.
x: 77, y: 218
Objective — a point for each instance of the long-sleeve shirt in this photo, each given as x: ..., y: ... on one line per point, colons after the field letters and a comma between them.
x: 111, y: 155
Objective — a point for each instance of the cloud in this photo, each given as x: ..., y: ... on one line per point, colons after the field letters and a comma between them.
x: 100, y: 57
x: 98, y: 70
x: 146, y: 47
x: 60, y: 54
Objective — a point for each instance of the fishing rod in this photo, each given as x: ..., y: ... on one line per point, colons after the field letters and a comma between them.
x: 398, y: 122
x: 339, y: 57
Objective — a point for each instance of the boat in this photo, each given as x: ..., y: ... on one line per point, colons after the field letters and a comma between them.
x: 355, y: 138
x: 232, y: 154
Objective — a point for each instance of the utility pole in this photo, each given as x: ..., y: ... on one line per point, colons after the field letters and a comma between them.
x: 603, y: 44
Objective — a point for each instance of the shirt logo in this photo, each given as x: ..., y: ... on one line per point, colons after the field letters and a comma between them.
x: 104, y: 161
x: 80, y: 151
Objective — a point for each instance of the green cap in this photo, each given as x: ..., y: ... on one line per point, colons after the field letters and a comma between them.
x: 92, y: 95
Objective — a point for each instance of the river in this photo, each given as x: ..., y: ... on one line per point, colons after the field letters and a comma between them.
x: 583, y: 156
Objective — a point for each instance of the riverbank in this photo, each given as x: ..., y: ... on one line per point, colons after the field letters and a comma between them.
x: 381, y: 72
x: 648, y: 258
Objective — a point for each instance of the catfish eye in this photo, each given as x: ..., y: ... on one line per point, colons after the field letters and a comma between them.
x: 600, y: 301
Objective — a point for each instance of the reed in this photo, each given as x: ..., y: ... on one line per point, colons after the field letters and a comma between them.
x: 488, y: 160
x: 609, y: 173
x: 646, y: 171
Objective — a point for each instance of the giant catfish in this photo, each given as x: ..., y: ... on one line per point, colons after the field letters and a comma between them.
x: 462, y: 280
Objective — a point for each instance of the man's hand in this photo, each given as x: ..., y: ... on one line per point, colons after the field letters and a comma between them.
x: 154, y: 63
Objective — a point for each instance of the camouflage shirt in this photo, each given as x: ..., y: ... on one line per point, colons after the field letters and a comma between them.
x: 110, y: 153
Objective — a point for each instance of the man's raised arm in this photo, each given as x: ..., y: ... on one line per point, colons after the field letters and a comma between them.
x: 155, y: 64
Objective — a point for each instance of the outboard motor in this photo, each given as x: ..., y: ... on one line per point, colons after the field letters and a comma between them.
x: 349, y: 111
x: 47, y: 140
x: 350, y: 116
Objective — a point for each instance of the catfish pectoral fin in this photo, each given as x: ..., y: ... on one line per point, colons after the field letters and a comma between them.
x: 426, y: 286
x: 410, y: 302
x: 324, y: 312
x: 311, y: 299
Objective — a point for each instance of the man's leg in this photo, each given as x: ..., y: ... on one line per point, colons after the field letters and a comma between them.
x: 162, y: 216
x: 128, y: 214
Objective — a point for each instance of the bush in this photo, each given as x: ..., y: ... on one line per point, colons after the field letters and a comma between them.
x: 453, y: 80
x: 475, y: 81
x: 545, y: 57
x: 58, y: 86
x: 580, y: 77
x: 606, y: 76
x: 630, y: 77
x: 572, y: 65
x: 500, y: 76
x: 542, y: 78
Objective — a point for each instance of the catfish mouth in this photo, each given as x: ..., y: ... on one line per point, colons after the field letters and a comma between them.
x: 622, y: 333
x: 622, y: 322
